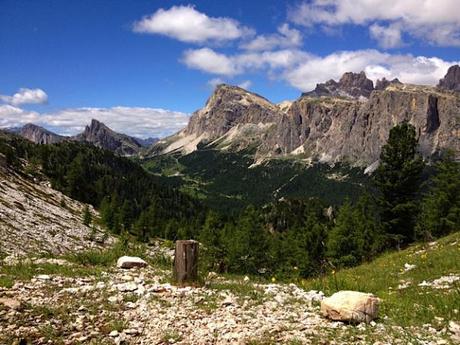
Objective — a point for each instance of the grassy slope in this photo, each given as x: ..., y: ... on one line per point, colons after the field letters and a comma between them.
x: 412, y: 306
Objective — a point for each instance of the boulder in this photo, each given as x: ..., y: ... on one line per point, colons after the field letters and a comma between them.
x: 130, y: 262
x: 350, y: 306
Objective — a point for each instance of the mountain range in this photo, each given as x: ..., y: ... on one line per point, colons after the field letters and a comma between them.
x: 345, y: 121
x: 96, y: 133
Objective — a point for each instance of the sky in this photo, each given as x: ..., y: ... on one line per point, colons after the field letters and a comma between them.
x: 142, y: 67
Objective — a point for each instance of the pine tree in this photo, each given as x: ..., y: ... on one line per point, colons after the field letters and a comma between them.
x: 357, y: 234
x: 87, y: 217
x: 397, y: 180
x: 440, y: 210
x: 211, y: 238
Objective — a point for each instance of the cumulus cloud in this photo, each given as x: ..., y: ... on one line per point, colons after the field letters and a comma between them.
x: 134, y: 121
x: 206, y: 59
x: 186, y: 24
x: 26, y: 96
x: 285, y: 38
x: 437, y: 21
x: 210, y: 61
x: 387, y: 37
x: 407, y: 68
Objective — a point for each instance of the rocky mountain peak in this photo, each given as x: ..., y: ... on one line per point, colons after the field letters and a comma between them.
x: 451, y: 80
x: 39, y: 134
x: 228, y: 106
x: 351, y: 85
x: 99, y: 134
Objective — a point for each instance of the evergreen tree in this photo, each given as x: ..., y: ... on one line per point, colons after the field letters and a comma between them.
x: 87, y: 218
x: 357, y: 234
x: 440, y: 210
x: 211, y: 238
x: 397, y: 180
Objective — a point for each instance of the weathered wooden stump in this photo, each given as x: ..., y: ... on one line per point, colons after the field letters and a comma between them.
x: 185, y: 268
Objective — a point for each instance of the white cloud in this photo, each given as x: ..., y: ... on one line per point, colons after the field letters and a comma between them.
x: 210, y: 61
x: 407, y: 68
x: 186, y: 24
x: 245, y: 84
x: 26, y: 96
x: 387, y: 37
x: 135, y: 121
x: 285, y: 38
x: 437, y: 21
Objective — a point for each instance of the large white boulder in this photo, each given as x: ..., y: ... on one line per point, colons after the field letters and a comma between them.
x: 350, y: 306
x: 130, y: 262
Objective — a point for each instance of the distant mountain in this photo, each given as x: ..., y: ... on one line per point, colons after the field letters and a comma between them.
x: 102, y: 136
x: 96, y: 133
x: 38, y: 135
x: 146, y: 142
x: 346, y: 121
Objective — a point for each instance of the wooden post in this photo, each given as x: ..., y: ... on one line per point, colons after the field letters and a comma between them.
x: 186, y: 262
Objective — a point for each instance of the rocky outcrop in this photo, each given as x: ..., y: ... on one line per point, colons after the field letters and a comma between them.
x: 351, y: 85
x: 39, y: 135
x: 102, y: 136
x: 383, y: 83
x: 451, y: 80
x: 350, y: 306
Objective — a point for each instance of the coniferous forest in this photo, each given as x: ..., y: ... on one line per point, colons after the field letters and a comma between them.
x: 406, y: 200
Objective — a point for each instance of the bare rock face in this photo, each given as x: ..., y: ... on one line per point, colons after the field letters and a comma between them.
x: 350, y: 306
x: 100, y: 135
x: 39, y: 135
x: 352, y: 85
x: 228, y: 107
x: 451, y: 80
x: 340, y: 130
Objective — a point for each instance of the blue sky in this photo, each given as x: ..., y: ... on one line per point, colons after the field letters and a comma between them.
x: 143, y: 66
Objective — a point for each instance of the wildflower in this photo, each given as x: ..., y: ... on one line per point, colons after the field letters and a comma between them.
x: 273, y: 279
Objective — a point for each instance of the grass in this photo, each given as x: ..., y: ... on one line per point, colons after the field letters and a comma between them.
x: 26, y: 270
x: 171, y: 336
x: 242, y: 290
x: 412, y: 306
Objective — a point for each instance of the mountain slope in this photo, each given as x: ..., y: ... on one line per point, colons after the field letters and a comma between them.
x: 34, y: 218
x: 340, y: 125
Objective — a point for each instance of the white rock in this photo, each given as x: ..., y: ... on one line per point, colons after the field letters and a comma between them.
x: 408, y: 267
x: 43, y: 277
x: 114, y: 334
x: 130, y: 262
x: 127, y: 287
x: 351, y: 306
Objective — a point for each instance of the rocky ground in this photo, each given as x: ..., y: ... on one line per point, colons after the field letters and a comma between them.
x: 36, y: 218
x: 88, y: 305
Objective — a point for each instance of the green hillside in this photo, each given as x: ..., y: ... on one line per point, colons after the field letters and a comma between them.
x: 406, y: 303
x: 226, y: 180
